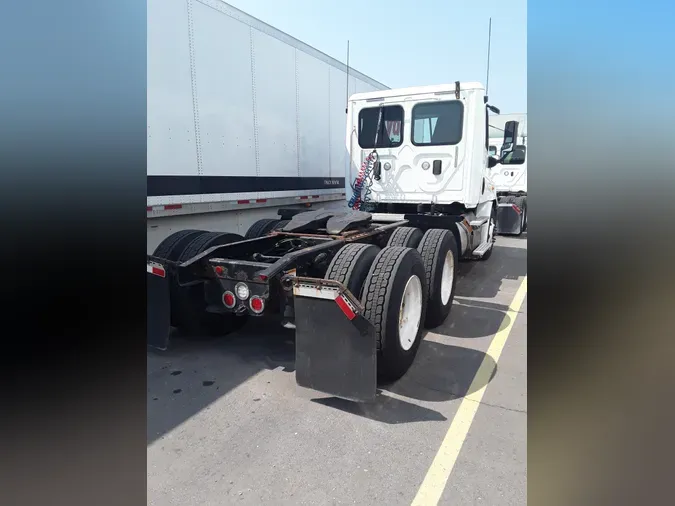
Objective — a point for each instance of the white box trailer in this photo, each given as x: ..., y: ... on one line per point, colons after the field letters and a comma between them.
x: 242, y: 119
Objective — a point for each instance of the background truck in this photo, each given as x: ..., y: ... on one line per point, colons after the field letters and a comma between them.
x: 509, y: 140
x: 242, y: 119
x: 357, y: 285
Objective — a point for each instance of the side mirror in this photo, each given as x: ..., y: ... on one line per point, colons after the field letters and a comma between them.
x: 492, y: 161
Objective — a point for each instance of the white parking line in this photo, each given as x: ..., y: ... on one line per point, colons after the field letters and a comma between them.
x: 437, y: 476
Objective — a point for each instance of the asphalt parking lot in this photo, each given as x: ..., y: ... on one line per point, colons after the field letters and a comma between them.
x: 227, y: 423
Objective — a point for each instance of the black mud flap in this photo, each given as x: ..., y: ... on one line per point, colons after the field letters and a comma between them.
x: 159, y: 306
x: 335, y: 349
x: 508, y: 219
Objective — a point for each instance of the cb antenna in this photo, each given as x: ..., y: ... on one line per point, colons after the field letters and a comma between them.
x: 487, y: 79
x: 347, y: 101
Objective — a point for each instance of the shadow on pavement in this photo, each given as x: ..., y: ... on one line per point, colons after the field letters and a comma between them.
x: 193, y: 374
x: 483, y: 279
x: 385, y: 409
x: 442, y: 372
x: 471, y: 319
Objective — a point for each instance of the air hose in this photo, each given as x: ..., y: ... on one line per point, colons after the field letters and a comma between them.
x: 361, y: 188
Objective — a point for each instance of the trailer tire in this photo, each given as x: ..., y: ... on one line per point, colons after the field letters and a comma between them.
x: 188, y: 303
x: 280, y: 225
x: 408, y: 237
x: 397, y: 274
x: 350, y: 266
x: 171, y: 247
x: 261, y: 228
x: 440, y: 255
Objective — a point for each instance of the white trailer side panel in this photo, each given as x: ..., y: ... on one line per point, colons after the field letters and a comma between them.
x: 171, y: 135
x: 225, y: 94
x: 238, y: 110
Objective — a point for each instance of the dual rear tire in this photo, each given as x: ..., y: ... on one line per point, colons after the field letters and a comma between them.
x: 188, y: 303
x: 402, y: 290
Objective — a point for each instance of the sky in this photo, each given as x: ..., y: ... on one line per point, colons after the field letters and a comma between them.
x: 438, y: 41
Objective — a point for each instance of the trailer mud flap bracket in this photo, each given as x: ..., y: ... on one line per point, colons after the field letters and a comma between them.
x: 158, y: 306
x: 335, y: 348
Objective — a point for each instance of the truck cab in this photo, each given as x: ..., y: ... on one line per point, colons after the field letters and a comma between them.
x: 430, y: 144
x: 510, y: 174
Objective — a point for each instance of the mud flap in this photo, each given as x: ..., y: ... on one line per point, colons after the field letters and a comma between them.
x: 508, y: 219
x: 159, y: 305
x: 335, y: 348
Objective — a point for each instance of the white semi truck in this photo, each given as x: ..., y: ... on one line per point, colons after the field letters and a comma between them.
x: 510, y: 174
x: 242, y: 120
x: 357, y: 285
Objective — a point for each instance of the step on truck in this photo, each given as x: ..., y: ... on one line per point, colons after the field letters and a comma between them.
x: 358, y: 285
x: 510, y: 179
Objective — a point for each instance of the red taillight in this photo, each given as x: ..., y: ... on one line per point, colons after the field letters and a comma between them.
x: 516, y: 208
x: 228, y: 300
x: 220, y: 270
x: 257, y: 304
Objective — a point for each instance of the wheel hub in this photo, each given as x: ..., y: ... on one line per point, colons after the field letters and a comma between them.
x: 410, y: 313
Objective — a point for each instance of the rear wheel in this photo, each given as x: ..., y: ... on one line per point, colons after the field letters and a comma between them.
x: 188, y: 303
x: 280, y: 225
x: 171, y: 247
x: 350, y: 266
x: 408, y: 237
x: 394, y: 300
x: 439, y: 254
x: 261, y: 228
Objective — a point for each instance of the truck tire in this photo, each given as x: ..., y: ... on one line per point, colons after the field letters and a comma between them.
x: 188, y: 303
x: 439, y: 253
x: 261, y: 228
x: 171, y: 247
x: 280, y: 225
x: 397, y: 275
x: 350, y: 266
x: 408, y: 237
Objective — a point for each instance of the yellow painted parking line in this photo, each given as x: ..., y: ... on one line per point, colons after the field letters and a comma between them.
x: 437, y: 476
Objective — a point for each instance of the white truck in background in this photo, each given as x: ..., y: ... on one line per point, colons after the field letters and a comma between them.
x: 243, y: 120
x: 508, y: 140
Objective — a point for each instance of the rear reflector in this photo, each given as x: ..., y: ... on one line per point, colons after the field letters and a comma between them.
x: 220, y: 270
x: 257, y: 304
x: 516, y: 208
x: 346, y: 308
x: 228, y: 300
x: 156, y: 270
